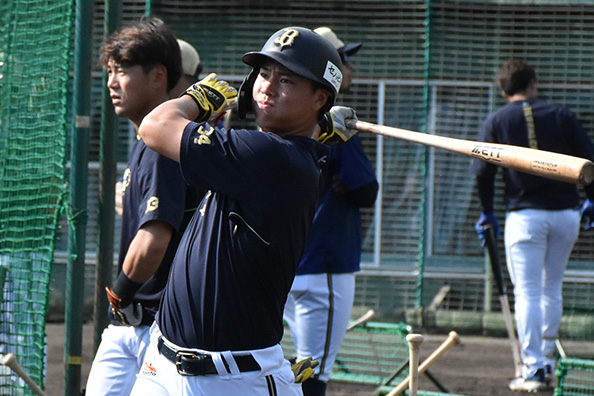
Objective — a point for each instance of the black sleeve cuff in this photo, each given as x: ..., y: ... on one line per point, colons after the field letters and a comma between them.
x: 486, y: 191
x: 363, y: 197
x: 125, y: 288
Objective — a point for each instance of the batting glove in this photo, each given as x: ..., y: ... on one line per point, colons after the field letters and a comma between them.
x: 484, y: 222
x: 333, y: 125
x: 304, y: 369
x: 213, y: 98
x: 587, y: 214
x: 129, y: 315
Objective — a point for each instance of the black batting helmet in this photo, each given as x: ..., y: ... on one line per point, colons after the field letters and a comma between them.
x: 303, y: 52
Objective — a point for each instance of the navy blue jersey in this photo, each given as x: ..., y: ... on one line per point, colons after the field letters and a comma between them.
x: 237, y: 259
x: 334, y: 244
x: 558, y: 130
x: 153, y: 189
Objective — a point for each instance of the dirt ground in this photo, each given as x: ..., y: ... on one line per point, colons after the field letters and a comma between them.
x: 479, y: 366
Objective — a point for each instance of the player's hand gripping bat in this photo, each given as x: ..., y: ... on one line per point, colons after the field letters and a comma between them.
x: 334, y: 127
x: 537, y: 162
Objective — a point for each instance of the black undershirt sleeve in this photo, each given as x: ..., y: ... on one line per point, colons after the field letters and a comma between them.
x: 486, y: 190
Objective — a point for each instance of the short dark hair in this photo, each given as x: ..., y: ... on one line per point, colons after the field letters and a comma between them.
x: 515, y: 76
x: 146, y: 43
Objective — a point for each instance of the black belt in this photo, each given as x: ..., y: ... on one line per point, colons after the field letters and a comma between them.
x: 193, y: 363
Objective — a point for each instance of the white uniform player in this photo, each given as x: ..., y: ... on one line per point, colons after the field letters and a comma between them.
x: 542, y: 215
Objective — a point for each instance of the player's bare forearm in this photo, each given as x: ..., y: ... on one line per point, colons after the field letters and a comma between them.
x: 147, y: 250
x: 163, y: 127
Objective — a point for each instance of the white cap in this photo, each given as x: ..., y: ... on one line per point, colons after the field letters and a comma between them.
x: 329, y: 35
x: 343, y: 49
x: 190, y: 58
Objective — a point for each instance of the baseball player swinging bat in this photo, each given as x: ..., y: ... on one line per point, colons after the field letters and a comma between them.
x: 9, y: 360
x: 490, y: 243
x: 547, y: 164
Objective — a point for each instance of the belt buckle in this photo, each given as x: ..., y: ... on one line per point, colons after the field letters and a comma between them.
x: 196, y: 360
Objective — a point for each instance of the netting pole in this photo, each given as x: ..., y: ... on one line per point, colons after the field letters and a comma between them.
x: 423, y: 215
x: 109, y: 141
x: 78, y: 199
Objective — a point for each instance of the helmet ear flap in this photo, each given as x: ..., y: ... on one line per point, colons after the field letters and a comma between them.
x: 326, y: 108
x: 244, y: 102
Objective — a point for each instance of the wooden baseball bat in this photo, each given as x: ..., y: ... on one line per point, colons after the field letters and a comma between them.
x: 9, y: 360
x: 414, y: 343
x: 547, y: 164
x: 490, y: 243
x: 453, y: 339
x: 360, y: 320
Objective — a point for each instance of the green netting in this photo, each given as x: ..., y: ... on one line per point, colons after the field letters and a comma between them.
x: 575, y: 377
x: 374, y: 353
x: 34, y: 59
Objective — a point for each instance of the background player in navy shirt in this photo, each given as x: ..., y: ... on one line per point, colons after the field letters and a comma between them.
x: 219, y: 325
x: 143, y: 64
x: 320, y: 301
x: 542, y: 215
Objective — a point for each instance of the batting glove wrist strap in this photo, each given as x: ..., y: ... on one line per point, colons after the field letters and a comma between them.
x: 213, y: 98
x: 333, y: 127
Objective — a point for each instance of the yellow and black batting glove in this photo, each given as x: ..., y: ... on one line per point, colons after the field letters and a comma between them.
x: 333, y: 125
x: 304, y: 369
x: 213, y: 98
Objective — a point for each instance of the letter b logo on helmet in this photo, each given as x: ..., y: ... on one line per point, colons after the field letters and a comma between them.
x: 287, y: 38
x: 303, y: 52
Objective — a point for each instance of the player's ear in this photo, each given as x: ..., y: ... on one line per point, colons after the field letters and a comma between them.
x: 321, y: 98
x: 158, y: 75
